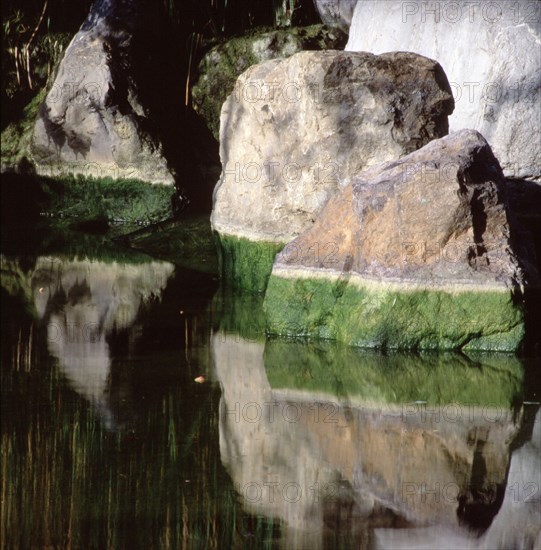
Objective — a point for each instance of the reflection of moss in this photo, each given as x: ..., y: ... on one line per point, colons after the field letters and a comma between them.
x: 375, y: 316
x: 398, y: 378
x: 239, y: 314
x: 246, y: 264
x: 187, y: 242
x: 68, y: 245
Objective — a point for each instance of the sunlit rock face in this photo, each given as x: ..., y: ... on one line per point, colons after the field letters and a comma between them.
x: 491, y: 53
x: 92, y: 121
x: 418, y: 253
x: 83, y: 303
x: 296, y: 130
x: 329, y: 440
x: 221, y: 66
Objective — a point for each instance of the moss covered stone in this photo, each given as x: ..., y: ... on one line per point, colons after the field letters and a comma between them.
x: 17, y: 135
x: 121, y: 200
x: 372, y: 314
x: 246, y: 264
x: 221, y: 66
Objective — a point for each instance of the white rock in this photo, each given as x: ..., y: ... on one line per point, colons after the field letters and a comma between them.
x: 295, y: 130
x: 491, y: 53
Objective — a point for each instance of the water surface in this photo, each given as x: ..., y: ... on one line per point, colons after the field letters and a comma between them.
x: 109, y: 442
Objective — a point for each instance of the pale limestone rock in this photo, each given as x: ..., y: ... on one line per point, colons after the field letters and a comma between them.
x: 491, y: 53
x: 294, y: 131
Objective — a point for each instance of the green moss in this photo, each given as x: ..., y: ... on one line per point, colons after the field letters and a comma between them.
x: 127, y: 201
x: 373, y: 378
x: 240, y: 314
x: 378, y: 317
x: 16, y: 136
x: 246, y: 264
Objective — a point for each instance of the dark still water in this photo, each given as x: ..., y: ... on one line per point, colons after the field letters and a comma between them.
x: 108, y: 440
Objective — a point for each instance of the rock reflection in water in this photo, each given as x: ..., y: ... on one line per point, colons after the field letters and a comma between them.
x: 374, y: 450
x: 84, y: 303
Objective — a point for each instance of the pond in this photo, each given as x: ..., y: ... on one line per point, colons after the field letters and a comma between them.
x: 142, y: 407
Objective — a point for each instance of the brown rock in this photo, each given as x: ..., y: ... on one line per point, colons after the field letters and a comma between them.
x: 417, y: 253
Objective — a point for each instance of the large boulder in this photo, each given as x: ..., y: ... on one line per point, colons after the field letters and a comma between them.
x: 491, y: 53
x: 418, y: 253
x: 223, y: 64
x: 92, y: 120
x: 296, y: 130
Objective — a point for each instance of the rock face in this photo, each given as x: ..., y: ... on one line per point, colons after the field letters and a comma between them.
x: 221, y: 66
x: 296, y: 130
x: 417, y: 253
x: 474, y: 43
x: 336, y: 12
x: 92, y: 121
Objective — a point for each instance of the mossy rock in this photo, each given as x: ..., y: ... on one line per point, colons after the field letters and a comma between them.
x: 244, y: 264
x: 220, y: 67
x: 383, y: 316
x: 17, y: 135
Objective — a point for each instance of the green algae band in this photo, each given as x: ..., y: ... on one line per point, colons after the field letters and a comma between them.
x: 371, y: 314
x: 246, y: 264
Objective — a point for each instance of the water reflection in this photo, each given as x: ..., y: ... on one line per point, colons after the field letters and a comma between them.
x: 84, y: 303
x: 67, y: 480
x: 297, y: 446
x: 363, y: 450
